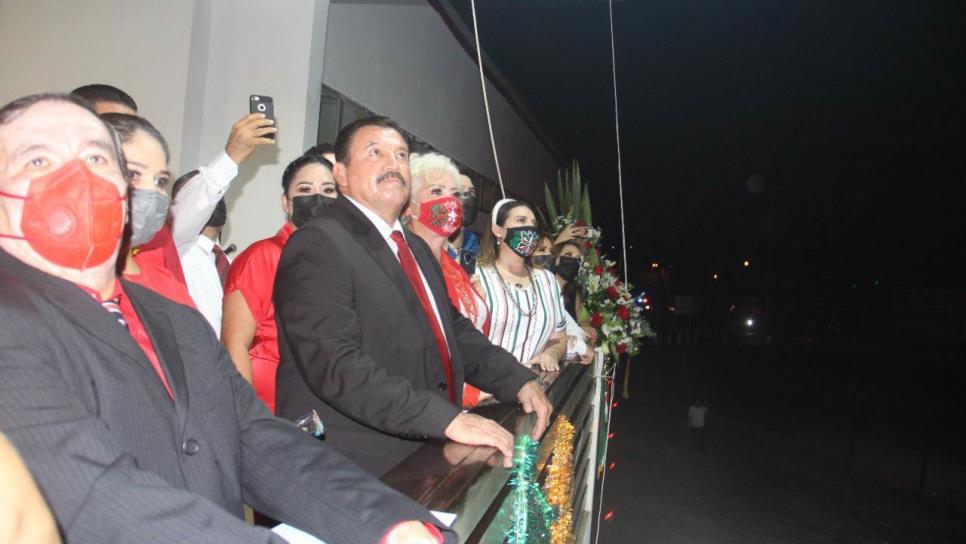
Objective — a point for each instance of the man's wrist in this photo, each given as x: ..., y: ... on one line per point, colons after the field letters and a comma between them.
x: 433, y: 531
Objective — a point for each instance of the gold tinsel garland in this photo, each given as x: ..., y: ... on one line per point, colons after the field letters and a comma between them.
x: 560, y: 480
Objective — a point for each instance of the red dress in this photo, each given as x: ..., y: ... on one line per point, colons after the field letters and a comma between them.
x: 253, y: 274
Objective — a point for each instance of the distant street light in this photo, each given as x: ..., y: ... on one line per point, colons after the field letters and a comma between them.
x: 655, y: 265
x: 747, y: 263
x: 714, y: 276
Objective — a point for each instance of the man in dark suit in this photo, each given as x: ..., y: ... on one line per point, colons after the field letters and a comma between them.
x: 368, y: 336
x: 124, y: 405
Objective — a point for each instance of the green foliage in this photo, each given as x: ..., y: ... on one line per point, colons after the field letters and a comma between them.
x: 572, y: 196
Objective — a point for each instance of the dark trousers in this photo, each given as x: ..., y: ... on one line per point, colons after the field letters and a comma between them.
x: 697, y: 439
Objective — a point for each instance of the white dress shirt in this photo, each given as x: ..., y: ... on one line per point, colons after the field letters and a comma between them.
x: 386, y: 231
x: 190, y: 212
x: 204, y: 284
x: 196, y: 201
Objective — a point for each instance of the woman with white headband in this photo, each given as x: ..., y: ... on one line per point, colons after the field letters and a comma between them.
x: 526, y: 313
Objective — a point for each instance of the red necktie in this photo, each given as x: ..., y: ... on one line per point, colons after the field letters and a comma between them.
x: 221, y: 263
x: 412, y: 274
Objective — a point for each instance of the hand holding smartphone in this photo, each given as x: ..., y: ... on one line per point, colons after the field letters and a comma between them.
x: 264, y: 105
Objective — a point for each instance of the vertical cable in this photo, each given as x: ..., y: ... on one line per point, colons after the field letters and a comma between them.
x: 611, y: 375
x: 620, y: 185
x: 486, y: 102
x: 617, y: 132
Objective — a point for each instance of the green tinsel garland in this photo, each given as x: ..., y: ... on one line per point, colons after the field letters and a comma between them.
x: 532, y: 514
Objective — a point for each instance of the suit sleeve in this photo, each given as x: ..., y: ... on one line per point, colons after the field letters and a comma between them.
x: 311, y: 486
x: 95, y: 490
x: 315, y: 308
x: 488, y: 366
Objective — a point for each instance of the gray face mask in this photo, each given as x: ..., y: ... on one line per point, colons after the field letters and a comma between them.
x: 149, y: 209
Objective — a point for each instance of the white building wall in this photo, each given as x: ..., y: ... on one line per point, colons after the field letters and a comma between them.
x: 190, y: 65
x: 141, y: 47
x: 399, y: 59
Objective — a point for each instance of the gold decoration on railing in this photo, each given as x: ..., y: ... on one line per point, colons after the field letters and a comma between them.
x: 560, y: 480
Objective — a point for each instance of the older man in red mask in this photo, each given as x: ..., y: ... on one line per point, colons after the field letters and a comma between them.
x: 124, y: 406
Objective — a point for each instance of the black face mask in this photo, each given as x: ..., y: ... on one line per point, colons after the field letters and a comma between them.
x: 219, y: 216
x: 471, y: 209
x: 542, y: 261
x: 567, y: 267
x: 307, y: 207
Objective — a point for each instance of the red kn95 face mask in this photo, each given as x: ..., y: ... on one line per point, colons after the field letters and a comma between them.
x: 71, y: 217
x: 443, y: 215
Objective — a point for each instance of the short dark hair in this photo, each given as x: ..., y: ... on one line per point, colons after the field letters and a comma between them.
x: 324, y: 147
x: 100, y: 92
x: 293, y: 167
x: 14, y: 109
x: 344, y: 139
x: 126, y: 125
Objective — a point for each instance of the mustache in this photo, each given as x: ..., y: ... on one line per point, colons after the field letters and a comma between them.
x: 391, y: 175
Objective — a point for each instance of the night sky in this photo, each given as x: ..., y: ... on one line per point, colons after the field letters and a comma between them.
x: 825, y: 142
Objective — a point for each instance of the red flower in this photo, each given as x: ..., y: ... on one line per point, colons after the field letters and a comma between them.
x: 613, y: 293
x: 588, y: 245
x: 621, y: 348
x: 581, y: 223
x: 599, y: 270
x: 597, y: 320
x: 623, y: 313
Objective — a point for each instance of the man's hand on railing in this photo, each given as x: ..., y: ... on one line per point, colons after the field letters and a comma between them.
x: 475, y: 430
x: 533, y: 399
x: 412, y: 532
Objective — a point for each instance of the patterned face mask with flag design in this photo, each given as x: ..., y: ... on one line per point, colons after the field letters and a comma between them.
x: 522, y: 240
x: 442, y: 215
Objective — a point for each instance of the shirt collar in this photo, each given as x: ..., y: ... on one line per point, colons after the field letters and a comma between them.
x: 115, y: 291
x: 206, y: 244
x: 384, y: 228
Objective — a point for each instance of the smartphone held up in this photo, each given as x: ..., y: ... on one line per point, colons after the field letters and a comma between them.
x: 264, y: 105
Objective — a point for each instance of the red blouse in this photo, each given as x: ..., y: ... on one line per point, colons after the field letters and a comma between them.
x: 161, y: 281
x: 161, y: 252
x: 253, y: 274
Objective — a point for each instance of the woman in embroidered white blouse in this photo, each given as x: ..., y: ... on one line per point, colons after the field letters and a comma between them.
x: 526, y: 314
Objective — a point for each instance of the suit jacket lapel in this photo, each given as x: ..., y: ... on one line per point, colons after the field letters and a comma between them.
x: 437, y: 285
x: 80, y: 308
x: 373, y: 242
x: 158, y: 326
